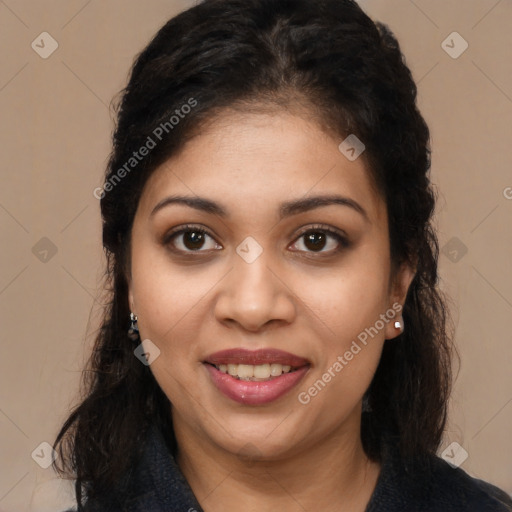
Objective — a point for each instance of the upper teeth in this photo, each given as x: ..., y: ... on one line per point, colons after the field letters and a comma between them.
x: 249, y: 371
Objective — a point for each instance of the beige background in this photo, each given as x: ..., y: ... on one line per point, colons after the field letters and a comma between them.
x: 55, y: 131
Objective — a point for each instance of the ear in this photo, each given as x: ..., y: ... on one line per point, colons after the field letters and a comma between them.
x: 131, y: 301
x: 130, y: 298
x: 127, y: 271
x: 398, y: 293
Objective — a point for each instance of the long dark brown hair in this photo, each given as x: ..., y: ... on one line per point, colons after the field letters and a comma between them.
x: 325, y: 59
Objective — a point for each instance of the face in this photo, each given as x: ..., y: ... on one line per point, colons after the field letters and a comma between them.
x: 259, y: 265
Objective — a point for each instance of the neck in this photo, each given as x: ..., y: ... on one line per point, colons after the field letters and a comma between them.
x: 332, y: 474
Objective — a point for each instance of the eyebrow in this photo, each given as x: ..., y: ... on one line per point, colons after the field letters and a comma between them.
x: 286, y: 209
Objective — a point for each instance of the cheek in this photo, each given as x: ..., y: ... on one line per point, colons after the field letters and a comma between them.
x: 334, y: 394
x: 348, y: 299
x: 347, y: 307
x: 166, y: 298
x: 171, y: 311
x: 174, y: 305
x: 351, y: 341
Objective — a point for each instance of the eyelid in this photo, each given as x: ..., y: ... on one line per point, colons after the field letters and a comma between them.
x: 323, y: 227
x: 340, y: 235
x: 183, y: 229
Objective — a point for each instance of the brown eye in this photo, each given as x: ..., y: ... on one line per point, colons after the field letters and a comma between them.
x: 315, y: 241
x: 193, y: 240
x: 321, y: 239
x: 190, y: 239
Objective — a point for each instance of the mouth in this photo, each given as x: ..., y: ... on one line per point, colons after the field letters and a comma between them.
x: 255, y: 365
x: 255, y: 377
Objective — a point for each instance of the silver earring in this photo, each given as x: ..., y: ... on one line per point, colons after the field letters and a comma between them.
x: 133, y: 331
x: 398, y: 325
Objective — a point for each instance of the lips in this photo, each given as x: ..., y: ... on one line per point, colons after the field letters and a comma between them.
x: 253, y: 393
x: 255, y: 357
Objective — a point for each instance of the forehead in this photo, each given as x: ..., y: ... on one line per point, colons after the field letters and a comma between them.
x: 253, y: 161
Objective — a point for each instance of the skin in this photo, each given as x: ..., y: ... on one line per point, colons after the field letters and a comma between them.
x: 309, y: 302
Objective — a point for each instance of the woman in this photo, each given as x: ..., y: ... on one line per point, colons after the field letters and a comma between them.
x: 275, y: 337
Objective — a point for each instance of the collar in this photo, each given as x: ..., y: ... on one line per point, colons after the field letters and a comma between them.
x: 157, y: 484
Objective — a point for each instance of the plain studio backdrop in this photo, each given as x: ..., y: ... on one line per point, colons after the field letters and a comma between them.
x: 64, y: 60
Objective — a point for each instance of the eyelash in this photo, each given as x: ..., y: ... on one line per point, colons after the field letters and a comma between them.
x: 338, y: 236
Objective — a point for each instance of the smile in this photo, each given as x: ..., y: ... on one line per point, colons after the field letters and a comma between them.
x: 255, y: 377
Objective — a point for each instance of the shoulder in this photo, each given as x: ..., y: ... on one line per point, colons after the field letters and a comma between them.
x: 469, y: 493
x: 153, y: 483
x: 430, y: 484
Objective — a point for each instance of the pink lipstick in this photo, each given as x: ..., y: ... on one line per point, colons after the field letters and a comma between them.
x: 255, y: 377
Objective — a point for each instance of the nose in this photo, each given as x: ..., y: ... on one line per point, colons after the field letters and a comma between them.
x: 254, y: 296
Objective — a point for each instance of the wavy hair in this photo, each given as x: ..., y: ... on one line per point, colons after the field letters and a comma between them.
x: 326, y: 60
